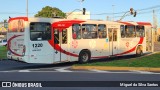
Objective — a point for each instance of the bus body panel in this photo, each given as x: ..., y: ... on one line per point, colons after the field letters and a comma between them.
x: 15, y: 38
x: 40, y: 52
x: 62, y: 47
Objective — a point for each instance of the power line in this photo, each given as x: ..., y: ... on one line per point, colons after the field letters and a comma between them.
x: 14, y: 13
x: 139, y: 11
x: 153, y: 7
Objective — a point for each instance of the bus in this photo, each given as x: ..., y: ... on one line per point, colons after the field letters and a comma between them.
x: 51, y: 40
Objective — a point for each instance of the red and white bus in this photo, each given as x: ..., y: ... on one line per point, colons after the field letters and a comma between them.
x: 49, y: 40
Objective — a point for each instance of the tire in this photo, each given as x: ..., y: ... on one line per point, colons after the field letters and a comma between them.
x: 139, y: 52
x: 84, y: 56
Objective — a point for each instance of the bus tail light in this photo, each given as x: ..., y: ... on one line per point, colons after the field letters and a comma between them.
x: 9, y: 52
x: 24, y: 50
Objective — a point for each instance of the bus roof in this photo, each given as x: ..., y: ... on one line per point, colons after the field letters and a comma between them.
x: 69, y: 21
x: 137, y: 23
x: 15, y: 18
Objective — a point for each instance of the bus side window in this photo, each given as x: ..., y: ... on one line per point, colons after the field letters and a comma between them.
x: 76, y: 31
x: 56, y: 36
x: 89, y: 31
x: 140, y: 31
x: 102, y: 31
x: 114, y: 34
x: 84, y: 31
x: 110, y: 34
x: 94, y: 31
x: 64, y: 36
x: 122, y: 31
x: 126, y: 31
x: 130, y: 31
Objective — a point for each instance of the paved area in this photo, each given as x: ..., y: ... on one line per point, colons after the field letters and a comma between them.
x: 69, y: 69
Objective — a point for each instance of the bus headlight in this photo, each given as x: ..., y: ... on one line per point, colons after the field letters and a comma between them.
x: 24, y: 50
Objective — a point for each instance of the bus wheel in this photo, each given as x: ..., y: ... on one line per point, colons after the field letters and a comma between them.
x: 139, y: 51
x: 84, y: 56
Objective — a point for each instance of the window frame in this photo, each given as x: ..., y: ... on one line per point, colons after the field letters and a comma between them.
x: 138, y: 32
x: 131, y: 31
x: 44, y: 33
x: 104, y: 31
x: 122, y: 30
x: 64, y: 39
x: 88, y: 31
x: 79, y: 32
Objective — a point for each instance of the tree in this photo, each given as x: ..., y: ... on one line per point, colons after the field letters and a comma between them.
x: 5, y: 21
x: 50, y: 12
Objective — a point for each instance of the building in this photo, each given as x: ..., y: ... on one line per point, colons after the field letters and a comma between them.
x: 158, y: 34
x: 78, y: 15
x: 3, y: 30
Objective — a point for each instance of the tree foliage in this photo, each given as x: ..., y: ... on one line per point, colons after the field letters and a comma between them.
x: 50, y: 12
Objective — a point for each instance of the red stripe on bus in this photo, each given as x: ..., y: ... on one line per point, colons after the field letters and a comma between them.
x: 17, y: 18
x: 58, y: 48
x: 126, y: 23
x: 131, y: 50
x: 66, y: 24
x: 144, y: 23
x: 63, y: 24
x: 9, y: 44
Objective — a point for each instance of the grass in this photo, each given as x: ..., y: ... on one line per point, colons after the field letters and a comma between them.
x: 3, y: 52
x: 146, y: 61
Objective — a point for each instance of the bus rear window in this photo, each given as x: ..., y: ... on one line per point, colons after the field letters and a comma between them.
x: 40, y: 31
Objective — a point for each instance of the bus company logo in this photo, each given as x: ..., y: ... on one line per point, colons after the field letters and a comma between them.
x: 74, y: 44
x: 92, y: 43
x: 6, y: 84
x: 61, y: 25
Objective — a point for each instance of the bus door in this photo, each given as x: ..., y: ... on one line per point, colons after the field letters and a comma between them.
x: 60, y: 44
x: 113, y: 44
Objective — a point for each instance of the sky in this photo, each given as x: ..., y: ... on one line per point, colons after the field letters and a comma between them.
x: 99, y: 9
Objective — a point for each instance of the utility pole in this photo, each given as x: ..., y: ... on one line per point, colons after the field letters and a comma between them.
x: 27, y: 7
x: 113, y: 12
x: 155, y: 25
x: 107, y: 18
